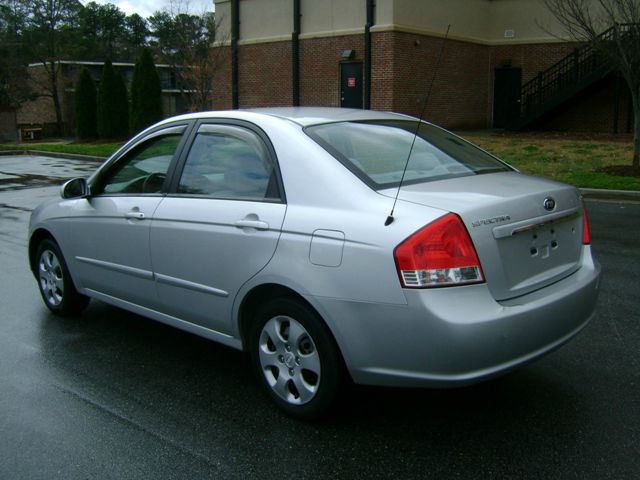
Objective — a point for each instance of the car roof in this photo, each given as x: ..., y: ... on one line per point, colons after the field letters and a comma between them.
x: 315, y: 115
x: 303, y: 116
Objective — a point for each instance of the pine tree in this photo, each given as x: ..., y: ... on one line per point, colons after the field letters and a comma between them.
x: 113, y: 119
x: 121, y: 107
x: 106, y: 94
x: 85, y: 99
x: 146, y: 93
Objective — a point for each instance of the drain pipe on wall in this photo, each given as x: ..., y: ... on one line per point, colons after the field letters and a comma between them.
x: 295, y: 55
x: 235, y: 34
x: 367, y: 54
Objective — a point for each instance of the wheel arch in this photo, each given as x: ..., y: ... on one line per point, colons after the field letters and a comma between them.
x: 35, y: 240
x: 258, y: 295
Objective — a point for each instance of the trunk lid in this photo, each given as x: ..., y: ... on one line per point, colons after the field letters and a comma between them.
x: 527, y: 231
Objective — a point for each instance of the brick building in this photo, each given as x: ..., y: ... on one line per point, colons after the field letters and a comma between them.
x: 39, y: 113
x: 503, y: 64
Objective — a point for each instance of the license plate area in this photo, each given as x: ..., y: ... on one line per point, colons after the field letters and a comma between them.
x: 541, y: 253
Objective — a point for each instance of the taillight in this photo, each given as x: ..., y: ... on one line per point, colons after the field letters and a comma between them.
x: 438, y: 255
x: 586, y: 237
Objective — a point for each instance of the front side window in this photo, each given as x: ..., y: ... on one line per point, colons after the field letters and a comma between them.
x: 228, y: 162
x: 377, y: 152
x: 143, y: 170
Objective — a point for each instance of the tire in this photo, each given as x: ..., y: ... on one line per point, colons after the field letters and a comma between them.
x: 296, y: 358
x: 54, y: 282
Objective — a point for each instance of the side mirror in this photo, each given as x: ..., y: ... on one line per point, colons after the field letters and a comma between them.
x: 75, y: 188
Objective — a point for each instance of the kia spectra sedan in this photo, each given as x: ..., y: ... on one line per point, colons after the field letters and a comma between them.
x: 330, y: 244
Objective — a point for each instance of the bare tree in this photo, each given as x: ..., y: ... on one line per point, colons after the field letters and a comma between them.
x: 184, y: 41
x: 200, y: 64
x: 13, y: 89
x: 50, y: 33
x: 585, y: 20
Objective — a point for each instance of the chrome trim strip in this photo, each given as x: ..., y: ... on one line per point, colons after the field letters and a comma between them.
x: 533, y: 223
x: 134, y: 272
x: 541, y: 224
x: 197, y: 287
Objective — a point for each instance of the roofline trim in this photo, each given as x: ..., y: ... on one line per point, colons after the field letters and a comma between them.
x: 395, y: 28
x: 85, y: 62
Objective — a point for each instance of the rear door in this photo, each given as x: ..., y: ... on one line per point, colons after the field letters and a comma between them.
x: 220, y: 224
x: 506, y: 96
x: 351, y: 85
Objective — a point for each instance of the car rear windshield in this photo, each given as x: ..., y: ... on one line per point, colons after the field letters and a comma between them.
x: 377, y: 152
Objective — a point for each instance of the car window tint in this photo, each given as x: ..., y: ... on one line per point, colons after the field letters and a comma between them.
x: 144, y: 169
x: 228, y: 162
x: 377, y: 152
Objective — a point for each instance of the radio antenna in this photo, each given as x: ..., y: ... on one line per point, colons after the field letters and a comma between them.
x: 390, y: 218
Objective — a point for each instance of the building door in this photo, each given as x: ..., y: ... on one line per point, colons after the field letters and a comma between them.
x: 506, y: 96
x: 351, y: 85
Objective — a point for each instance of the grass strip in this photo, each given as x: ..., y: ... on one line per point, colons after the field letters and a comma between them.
x: 93, y: 149
x: 570, y: 160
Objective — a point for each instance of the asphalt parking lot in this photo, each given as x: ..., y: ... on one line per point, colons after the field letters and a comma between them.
x: 114, y: 395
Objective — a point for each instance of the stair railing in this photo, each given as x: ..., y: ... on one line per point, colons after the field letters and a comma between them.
x: 568, y: 71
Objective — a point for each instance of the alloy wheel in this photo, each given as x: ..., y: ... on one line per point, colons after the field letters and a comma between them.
x: 51, y: 278
x: 289, y: 359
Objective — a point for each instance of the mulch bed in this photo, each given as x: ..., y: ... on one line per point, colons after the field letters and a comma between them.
x: 551, y: 135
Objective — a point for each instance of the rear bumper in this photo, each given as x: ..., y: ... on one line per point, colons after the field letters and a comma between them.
x: 461, y: 335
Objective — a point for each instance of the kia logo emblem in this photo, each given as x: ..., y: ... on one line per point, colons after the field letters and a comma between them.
x: 549, y: 203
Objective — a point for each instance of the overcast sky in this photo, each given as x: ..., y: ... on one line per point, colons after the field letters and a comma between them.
x: 144, y: 8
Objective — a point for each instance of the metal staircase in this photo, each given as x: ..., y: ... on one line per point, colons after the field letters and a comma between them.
x: 565, y: 79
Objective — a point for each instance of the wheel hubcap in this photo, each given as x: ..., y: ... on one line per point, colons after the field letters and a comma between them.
x: 50, y: 276
x: 289, y: 360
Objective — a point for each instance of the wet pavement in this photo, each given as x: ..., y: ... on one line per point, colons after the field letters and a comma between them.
x: 20, y: 171
x: 26, y: 181
x: 113, y: 395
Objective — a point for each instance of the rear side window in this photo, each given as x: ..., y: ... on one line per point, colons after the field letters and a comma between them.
x: 377, y: 152
x: 228, y: 162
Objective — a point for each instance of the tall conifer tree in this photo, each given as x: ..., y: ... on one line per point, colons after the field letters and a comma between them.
x: 106, y: 93
x: 146, y: 93
x: 113, y: 119
x: 85, y: 99
x: 121, y: 107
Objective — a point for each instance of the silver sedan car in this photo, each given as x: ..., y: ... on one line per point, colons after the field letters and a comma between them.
x: 331, y: 244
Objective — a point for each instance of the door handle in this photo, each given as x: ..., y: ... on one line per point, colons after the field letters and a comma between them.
x: 137, y: 214
x: 257, y: 224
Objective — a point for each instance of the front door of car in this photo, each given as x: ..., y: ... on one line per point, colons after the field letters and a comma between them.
x: 219, y: 225
x: 111, y: 252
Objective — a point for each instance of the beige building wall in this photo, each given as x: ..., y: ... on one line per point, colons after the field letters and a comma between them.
x: 490, y: 22
x: 331, y: 17
x: 468, y: 18
x: 528, y: 21
x: 265, y: 19
x: 272, y: 20
x: 223, y: 17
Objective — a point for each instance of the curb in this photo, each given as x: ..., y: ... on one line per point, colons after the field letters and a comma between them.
x: 602, y: 194
x: 38, y: 153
